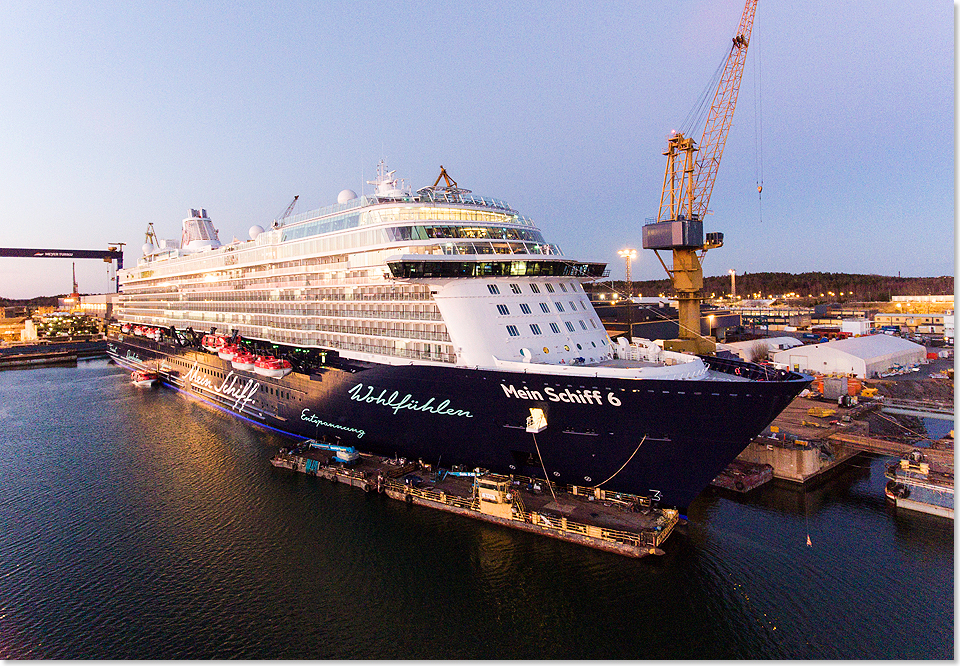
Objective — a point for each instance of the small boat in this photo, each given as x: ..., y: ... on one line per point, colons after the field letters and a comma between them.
x: 243, y: 361
x: 895, y: 491
x: 213, y: 343
x: 227, y: 352
x: 144, y: 378
x: 138, y: 330
x: 268, y: 366
x: 125, y: 328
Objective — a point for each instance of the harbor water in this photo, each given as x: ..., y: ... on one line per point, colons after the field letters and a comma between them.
x: 142, y: 523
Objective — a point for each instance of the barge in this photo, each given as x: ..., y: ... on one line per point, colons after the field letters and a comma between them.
x: 615, y: 522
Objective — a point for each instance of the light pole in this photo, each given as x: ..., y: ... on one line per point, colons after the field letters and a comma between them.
x: 733, y: 283
x: 628, y: 255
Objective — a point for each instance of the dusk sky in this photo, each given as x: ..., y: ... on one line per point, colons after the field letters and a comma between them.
x: 119, y: 114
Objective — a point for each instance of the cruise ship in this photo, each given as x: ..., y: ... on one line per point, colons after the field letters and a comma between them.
x: 435, y: 325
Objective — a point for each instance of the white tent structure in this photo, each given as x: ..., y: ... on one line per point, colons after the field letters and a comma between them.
x: 745, y: 349
x: 865, y: 356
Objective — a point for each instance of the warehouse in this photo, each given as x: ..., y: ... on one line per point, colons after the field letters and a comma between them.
x: 864, y: 357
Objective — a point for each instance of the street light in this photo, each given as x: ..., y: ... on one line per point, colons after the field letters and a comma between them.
x: 628, y: 255
x: 733, y: 283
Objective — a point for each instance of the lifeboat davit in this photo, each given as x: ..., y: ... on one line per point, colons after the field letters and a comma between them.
x: 268, y: 366
x: 243, y: 361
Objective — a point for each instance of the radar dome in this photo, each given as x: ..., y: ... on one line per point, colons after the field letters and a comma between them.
x: 147, y: 249
x: 255, y: 231
x: 345, y: 196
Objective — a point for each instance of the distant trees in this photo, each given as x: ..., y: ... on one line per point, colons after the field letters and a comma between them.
x: 854, y: 286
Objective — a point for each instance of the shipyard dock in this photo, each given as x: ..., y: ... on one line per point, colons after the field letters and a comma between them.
x: 615, y: 522
x: 813, y: 436
x: 23, y: 356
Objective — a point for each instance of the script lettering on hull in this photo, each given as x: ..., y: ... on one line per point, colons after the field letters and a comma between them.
x: 393, y: 400
x: 233, y: 386
x: 310, y: 417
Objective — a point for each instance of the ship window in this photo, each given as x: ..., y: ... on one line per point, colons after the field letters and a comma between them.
x: 535, y: 328
x: 535, y: 288
x: 563, y: 288
x: 582, y: 325
x: 593, y: 343
x: 524, y: 308
x: 512, y: 330
x: 550, y: 287
x: 494, y: 289
x: 579, y: 347
x: 545, y: 308
x: 554, y: 327
x: 559, y: 306
x: 515, y: 288
x: 503, y: 309
x: 573, y: 305
x: 593, y: 323
x: 569, y: 326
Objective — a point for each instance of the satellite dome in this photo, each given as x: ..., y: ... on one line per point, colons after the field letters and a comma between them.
x: 147, y: 249
x: 346, y: 195
x: 255, y: 231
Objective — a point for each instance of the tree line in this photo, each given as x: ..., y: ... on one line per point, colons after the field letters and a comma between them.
x: 810, y: 285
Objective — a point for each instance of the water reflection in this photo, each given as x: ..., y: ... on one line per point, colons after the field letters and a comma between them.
x: 148, y: 525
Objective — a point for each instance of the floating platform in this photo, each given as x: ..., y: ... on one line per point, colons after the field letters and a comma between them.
x: 742, y: 477
x: 615, y: 522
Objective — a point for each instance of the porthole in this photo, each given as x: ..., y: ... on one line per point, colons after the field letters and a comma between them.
x: 546, y: 350
x: 566, y: 347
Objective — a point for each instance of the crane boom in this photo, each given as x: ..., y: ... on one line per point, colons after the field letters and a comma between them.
x: 289, y: 209
x: 721, y: 113
x: 687, y: 186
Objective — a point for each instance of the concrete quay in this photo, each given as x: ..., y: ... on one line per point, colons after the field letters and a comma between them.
x: 811, y: 437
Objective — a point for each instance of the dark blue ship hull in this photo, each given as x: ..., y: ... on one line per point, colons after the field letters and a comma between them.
x: 666, y: 439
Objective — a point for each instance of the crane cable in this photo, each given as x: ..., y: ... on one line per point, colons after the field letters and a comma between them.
x: 758, y: 121
x: 624, y: 464
x: 544, y: 467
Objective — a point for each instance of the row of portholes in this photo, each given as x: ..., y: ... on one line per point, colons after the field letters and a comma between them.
x: 514, y: 467
x: 546, y: 350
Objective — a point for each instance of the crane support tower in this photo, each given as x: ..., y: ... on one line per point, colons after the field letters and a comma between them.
x: 687, y: 185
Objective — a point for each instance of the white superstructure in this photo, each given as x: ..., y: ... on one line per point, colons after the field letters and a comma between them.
x: 384, y: 278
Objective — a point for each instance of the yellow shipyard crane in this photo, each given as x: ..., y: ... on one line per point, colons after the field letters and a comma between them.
x: 687, y: 184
